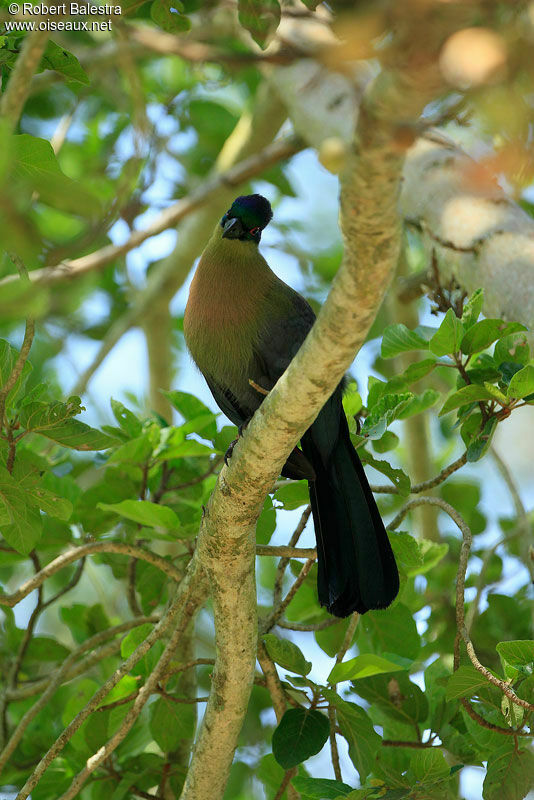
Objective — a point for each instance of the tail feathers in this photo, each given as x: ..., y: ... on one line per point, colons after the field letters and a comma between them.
x: 356, y: 566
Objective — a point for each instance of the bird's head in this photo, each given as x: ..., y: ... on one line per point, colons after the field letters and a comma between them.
x: 246, y: 218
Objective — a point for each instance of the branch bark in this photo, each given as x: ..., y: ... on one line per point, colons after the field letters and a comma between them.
x: 480, y: 237
x: 80, y: 552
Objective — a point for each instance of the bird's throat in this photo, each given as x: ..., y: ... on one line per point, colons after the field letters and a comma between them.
x: 226, y: 306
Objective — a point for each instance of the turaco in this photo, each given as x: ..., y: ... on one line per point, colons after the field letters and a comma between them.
x: 243, y: 324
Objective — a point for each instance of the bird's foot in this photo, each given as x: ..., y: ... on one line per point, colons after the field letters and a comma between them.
x: 230, y: 450
x: 257, y: 387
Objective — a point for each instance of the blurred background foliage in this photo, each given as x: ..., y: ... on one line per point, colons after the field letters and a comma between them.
x: 118, y: 127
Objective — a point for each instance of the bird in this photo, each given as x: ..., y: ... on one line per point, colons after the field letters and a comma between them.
x: 242, y: 326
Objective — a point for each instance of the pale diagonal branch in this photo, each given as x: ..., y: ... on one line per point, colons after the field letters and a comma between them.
x: 84, y: 550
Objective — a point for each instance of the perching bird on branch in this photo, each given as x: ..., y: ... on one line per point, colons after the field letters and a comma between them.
x: 243, y: 326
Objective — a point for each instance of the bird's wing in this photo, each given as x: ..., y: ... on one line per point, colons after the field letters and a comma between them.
x: 282, y: 337
x: 227, y: 402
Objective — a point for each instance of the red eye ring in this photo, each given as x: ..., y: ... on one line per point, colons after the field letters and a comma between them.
x: 253, y: 231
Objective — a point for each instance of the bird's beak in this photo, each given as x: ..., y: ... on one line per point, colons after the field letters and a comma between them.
x: 233, y: 229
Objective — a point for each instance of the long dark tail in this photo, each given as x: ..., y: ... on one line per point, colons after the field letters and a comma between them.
x: 356, y: 566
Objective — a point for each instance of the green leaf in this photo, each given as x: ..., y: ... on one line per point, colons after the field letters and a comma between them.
x: 389, y: 441
x: 171, y: 723
x: 294, y: 495
x: 144, y: 512
x: 419, y: 403
x: 134, y: 638
x: 387, y: 409
x: 465, y: 396
x: 352, y: 401
x: 432, y: 553
x: 136, y: 451
x: 396, y: 475
x: 358, y: 730
x: 21, y: 523
x: 392, y: 630
x: 473, y: 308
x: 20, y: 299
x: 413, y: 373
x: 54, y: 420
x: 260, y: 18
x: 396, y: 695
x: 510, y: 773
x: 191, y: 408
x: 407, y: 552
x: 429, y: 765
x: 300, y: 734
x: 45, y: 648
x: 447, y: 338
x: 35, y: 164
x: 126, y: 419
x: 513, y: 348
x: 465, y: 682
x: 79, y: 695
x: 522, y: 383
x: 60, y: 60
x: 364, y: 666
x: 480, y: 443
x: 399, y: 339
x: 487, y: 331
x: 320, y: 788
x: 512, y: 712
x: 519, y: 652
x: 28, y: 475
x: 166, y: 14
x: 8, y: 359
x: 287, y: 654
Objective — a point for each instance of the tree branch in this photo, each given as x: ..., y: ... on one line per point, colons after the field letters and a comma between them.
x: 95, y: 655
x: 429, y: 484
x: 62, y: 674
x: 80, y: 552
x: 189, y: 595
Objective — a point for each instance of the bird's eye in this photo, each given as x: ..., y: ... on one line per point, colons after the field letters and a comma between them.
x: 253, y: 231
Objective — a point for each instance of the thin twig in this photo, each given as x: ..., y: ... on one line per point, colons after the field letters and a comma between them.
x: 288, y: 777
x: 198, y: 479
x: 312, y: 626
x: 34, y: 687
x: 430, y: 483
x: 415, y: 745
x: 502, y: 685
x: 272, y: 681
x: 146, y: 690
x: 484, y: 722
x: 284, y: 561
x: 62, y: 674
x: 467, y: 539
x: 240, y: 173
x: 285, y: 551
x: 84, y: 550
x: 22, y: 357
x: 340, y: 655
x: 198, y: 662
x: 277, y: 612
x: 188, y: 596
